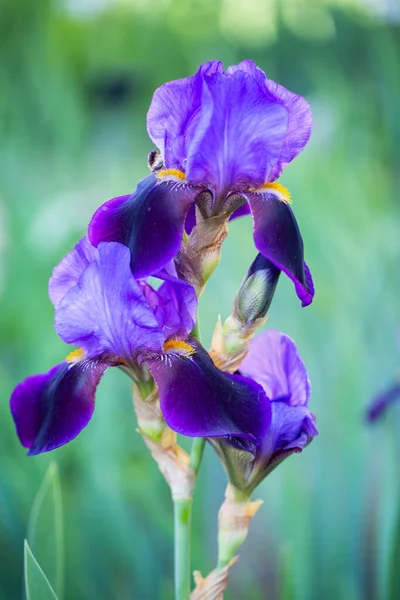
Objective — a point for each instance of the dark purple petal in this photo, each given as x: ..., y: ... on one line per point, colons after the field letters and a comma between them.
x: 248, y: 463
x: 197, y: 399
x: 300, y: 117
x: 278, y: 238
x: 190, y: 220
x: 67, y: 273
x: 379, y: 405
x: 50, y: 409
x: 106, y: 312
x: 237, y: 136
x: 150, y: 222
x: 273, y: 361
x: 242, y: 211
x: 172, y: 107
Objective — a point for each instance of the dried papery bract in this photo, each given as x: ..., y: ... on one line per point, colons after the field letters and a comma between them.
x: 171, y: 459
x: 213, y: 586
x: 233, y: 524
x: 200, y: 253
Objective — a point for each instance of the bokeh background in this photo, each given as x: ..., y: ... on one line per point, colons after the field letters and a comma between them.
x: 76, y: 79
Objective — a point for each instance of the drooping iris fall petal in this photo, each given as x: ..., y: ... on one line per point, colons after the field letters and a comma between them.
x: 150, y: 222
x: 199, y: 400
x: 51, y: 409
x: 278, y: 238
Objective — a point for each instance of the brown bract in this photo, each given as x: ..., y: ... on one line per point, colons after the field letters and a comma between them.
x: 172, y: 460
x: 200, y: 253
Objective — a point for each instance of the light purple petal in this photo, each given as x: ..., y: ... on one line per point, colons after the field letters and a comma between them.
x: 273, y: 361
x: 291, y: 429
x: 197, y: 399
x: 150, y: 222
x: 67, y: 273
x: 278, y: 238
x: 300, y: 117
x: 51, y: 409
x: 236, y: 139
x: 174, y: 305
x: 106, y: 312
x: 172, y: 107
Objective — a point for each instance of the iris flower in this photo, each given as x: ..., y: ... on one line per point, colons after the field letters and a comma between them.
x: 273, y: 362
x: 224, y: 138
x: 117, y: 320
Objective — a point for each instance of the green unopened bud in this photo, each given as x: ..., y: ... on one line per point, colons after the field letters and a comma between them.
x: 256, y: 291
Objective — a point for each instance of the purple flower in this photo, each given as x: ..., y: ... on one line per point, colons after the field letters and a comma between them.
x: 116, y: 320
x: 224, y: 138
x: 274, y: 363
x: 382, y: 401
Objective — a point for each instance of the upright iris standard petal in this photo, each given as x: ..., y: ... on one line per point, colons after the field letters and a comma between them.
x: 274, y: 362
x: 299, y: 115
x: 197, y: 399
x: 67, y: 273
x: 236, y: 138
x: 50, y: 409
x: 277, y: 237
x: 106, y: 312
x: 150, y: 222
x: 176, y: 308
x: 173, y: 106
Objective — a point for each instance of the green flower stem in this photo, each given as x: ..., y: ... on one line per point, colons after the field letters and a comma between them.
x: 182, y: 525
x: 196, y: 329
x: 183, y: 516
x: 196, y: 454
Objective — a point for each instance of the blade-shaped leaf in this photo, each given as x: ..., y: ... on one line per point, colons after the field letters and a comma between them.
x: 45, y: 528
x: 37, y: 586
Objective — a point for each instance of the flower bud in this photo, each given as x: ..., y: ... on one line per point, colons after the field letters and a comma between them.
x: 256, y: 291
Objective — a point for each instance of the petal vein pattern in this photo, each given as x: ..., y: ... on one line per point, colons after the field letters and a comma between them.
x: 106, y: 312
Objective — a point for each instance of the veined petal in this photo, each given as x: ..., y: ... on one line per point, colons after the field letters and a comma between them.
x: 150, y: 222
x: 174, y: 305
x: 172, y: 107
x: 50, y: 409
x: 299, y: 115
x: 106, y: 313
x: 273, y: 361
x: 278, y: 238
x: 292, y: 427
x: 197, y: 399
x: 67, y: 273
x: 237, y: 136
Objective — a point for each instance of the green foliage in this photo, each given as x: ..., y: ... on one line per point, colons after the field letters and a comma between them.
x: 37, y: 586
x: 69, y: 144
x: 45, y: 528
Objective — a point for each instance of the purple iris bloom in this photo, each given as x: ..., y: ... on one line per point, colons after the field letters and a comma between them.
x: 382, y: 401
x: 116, y: 320
x: 273, y: 362
x: 224, y: 138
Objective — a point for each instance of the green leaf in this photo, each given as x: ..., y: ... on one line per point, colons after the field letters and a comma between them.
x: 37, y: 586
x: 45, y: 528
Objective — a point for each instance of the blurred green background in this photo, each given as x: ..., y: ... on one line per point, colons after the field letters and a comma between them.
x: 76, y: 79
